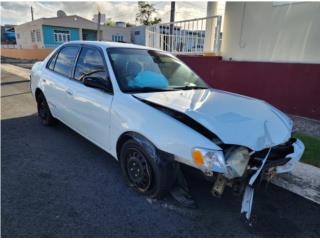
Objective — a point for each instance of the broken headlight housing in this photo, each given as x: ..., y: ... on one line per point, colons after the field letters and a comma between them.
x: 237, y: 159
x: 209, y: 160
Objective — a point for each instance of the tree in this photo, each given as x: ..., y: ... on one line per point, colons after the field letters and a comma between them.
x: 110, y: 22
x: 144, y: 15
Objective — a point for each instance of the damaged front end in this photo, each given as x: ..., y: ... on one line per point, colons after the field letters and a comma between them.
x: 240, y: 168
x: 250, y: 138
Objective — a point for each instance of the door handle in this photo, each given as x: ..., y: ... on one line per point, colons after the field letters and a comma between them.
x: 69, y: 92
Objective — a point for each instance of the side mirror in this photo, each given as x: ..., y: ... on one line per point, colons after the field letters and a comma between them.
x: 98, y: 82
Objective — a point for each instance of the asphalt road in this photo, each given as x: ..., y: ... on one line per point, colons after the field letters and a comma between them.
x: 55, y: 183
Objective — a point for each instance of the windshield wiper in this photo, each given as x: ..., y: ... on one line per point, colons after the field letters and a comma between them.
x: 147, y: 89
x: 190, y: 87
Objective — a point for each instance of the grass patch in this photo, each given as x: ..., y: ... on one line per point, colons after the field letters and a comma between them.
x: 311, y: 153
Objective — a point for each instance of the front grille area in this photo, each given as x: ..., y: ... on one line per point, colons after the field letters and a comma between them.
x: 276, y: 157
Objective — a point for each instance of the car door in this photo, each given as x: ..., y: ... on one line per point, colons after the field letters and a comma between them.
x: 55, y: 80
x: 89, y: 107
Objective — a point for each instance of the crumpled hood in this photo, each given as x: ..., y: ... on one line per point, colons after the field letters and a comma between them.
x: 235, y: 119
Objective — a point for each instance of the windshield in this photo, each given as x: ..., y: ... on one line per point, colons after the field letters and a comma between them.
x: 142, y: 70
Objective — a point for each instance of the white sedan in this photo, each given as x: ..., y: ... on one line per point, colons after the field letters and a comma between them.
x: 152, y: 113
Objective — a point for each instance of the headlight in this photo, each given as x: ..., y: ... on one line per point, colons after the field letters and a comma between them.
x: 209, y: 160
x: 237, y: 159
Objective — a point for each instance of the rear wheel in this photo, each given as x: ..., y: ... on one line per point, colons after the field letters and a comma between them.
x: 143, y: 173
x: 44, y: 111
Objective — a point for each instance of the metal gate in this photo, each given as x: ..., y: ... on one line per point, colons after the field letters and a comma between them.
x: 197, y: 35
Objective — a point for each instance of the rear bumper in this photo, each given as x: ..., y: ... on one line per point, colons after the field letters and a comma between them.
x: 298, y: 149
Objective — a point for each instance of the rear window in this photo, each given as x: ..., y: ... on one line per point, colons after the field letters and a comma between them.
x: 65, y: 61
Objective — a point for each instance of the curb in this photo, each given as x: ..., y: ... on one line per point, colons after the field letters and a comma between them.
x: 15, y: 70
x: 303, y: 180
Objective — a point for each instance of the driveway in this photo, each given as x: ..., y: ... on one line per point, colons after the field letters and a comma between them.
x: 55, y: 183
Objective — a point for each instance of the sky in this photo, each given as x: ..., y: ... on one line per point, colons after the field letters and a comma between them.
x: 19, y: 12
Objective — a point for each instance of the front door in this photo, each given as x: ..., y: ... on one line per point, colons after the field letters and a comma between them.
x: 90, y: 107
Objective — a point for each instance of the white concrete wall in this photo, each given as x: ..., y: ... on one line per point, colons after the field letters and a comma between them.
x: 24, y: 31
x: 139, y: 38
x: 266, y: 31
x: 107, y: 33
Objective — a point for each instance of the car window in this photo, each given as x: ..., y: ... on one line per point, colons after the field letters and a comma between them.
x: 150, y: 70
x: 52, y: 62
x: 65, y: 61
x: 90, y: 63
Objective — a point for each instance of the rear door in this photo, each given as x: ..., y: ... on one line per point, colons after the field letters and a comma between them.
x: 90, y: 107
x: 55, y: 80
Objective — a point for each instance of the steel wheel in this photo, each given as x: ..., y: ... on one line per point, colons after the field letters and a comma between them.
x: 138, y: 170
x: 144, y: 170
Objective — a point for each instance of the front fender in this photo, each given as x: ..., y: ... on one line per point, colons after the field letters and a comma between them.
x: 169, y: 135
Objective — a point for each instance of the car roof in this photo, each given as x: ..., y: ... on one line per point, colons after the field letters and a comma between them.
x: 106, y: 44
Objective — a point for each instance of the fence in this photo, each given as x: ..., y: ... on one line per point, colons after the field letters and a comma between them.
x: 36, y: 53
x: 197, y: 35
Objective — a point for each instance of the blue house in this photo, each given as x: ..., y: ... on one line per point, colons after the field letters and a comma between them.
x: 51, y: 32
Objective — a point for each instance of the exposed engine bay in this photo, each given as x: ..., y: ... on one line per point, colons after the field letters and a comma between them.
x: 246, y: 169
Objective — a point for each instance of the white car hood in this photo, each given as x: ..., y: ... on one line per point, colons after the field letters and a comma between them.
x: 235, y: 119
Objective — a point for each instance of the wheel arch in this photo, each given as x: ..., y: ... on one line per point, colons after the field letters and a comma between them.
x: 37, y: 93
x: 142, y: 140
x: 157, y: 154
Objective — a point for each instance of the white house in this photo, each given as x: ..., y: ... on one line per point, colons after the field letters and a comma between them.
x: 272, y: 31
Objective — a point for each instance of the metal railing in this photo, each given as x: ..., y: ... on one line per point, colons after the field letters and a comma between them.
x: 197, y: 35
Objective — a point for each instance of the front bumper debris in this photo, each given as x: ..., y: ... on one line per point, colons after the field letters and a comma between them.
x: 290, y: 162
x: 298, y: 147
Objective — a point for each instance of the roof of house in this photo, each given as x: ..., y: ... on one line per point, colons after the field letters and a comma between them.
x: 71, y: 21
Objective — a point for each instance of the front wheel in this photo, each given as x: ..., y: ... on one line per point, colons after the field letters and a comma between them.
x: 143, y: 173
x: 44, y: 111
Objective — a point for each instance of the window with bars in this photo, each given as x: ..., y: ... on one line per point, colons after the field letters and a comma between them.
x: 38, y: 36
x: 117, y: 38
x: 32, y: 36
x: 61, y: 36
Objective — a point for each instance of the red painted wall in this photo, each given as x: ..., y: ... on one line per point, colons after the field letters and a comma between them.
x: 292, y: 87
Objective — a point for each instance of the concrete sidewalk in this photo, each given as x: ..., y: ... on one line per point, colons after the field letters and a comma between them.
x: 18, y: 71
x: 304, y: 180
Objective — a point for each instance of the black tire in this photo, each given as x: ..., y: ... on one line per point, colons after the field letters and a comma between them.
x: 44, y: 111
x: 143, y: 174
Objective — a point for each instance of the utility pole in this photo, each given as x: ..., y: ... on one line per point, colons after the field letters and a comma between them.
x: 172, y: 16
x: 172, y: 12
x: 99, y: 20
x: 31, y: 13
